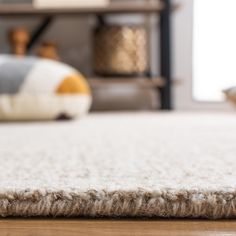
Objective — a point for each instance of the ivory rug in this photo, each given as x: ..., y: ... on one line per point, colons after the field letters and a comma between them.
x: 162, y: 165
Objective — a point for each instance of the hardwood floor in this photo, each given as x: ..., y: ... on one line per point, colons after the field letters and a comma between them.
x: 78, y: 227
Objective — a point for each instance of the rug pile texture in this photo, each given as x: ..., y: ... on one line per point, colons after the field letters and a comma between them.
x: 151, y: 165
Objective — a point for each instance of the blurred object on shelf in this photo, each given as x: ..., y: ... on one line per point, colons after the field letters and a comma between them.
x: 120, y: 50
x: 19, y: 38
x: 48, y: 50
x: 145, y: 82
x: 69, y: 3
x: 231, y: 95
x: 125, y: 96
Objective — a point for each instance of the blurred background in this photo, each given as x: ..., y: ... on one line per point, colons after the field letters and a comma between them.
x: 119, y: 46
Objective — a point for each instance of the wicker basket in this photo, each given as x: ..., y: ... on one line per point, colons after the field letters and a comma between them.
x: 120, y: 50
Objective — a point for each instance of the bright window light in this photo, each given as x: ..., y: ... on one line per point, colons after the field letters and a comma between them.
x: 214, y: 48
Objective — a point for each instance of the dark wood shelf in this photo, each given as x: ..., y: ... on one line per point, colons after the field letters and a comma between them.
x: 26, y: 9
x: 142, y: 82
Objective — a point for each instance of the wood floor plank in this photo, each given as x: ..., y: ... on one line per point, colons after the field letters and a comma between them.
x: 19, y: 227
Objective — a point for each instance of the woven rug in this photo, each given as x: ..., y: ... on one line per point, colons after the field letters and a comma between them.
x: 161, y: 165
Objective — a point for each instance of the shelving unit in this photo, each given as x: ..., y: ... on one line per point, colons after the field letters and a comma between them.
x: 113, y: 8
x: 142, y: 82
x: 161, y: 7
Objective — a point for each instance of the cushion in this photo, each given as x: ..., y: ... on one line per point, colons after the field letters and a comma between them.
x: 34, y: 89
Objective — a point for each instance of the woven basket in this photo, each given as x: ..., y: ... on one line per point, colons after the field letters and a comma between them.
x: 120, y: 50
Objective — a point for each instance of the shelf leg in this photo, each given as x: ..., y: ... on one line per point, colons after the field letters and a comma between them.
x: 165, y: 57
x: 39, y: 31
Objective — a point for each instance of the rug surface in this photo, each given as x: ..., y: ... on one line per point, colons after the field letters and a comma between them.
x: 168, y: 165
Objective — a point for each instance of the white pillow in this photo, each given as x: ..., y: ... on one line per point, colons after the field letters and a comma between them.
x: 35, y: 89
